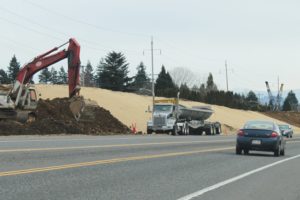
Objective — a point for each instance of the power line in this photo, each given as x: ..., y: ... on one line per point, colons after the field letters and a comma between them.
x: 189, y: 53
x: 64, y: 34
x: 15, y: 42
x: 30, y: 29
x: 84, y: 22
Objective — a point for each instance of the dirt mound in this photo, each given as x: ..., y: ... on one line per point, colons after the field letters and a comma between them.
x: 55, y: 117
x: 292, y: 118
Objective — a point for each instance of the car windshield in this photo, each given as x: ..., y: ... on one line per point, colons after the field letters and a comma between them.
x: 259, y: 125
x: 284, y: 127
x: 163, y: 108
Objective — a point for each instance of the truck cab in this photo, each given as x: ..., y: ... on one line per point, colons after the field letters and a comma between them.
x: 164, y: 118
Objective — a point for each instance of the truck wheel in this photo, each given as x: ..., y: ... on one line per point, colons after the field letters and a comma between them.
x: 208, y: 131
x: 175, y: 130
x: 186, y: 129
x: 149, y: 131
x: 217, y: 131
x: 212, y: 130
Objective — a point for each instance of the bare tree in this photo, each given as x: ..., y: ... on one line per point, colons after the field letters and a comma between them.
x: 181, y: 75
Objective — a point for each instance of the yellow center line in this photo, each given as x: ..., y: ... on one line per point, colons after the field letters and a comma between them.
x: 107, y: 146
x: 109, y: 161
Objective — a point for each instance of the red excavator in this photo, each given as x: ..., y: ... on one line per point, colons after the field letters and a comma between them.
x: 20, y: 101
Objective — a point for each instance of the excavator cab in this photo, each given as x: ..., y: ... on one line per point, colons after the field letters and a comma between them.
x: 30, y: 100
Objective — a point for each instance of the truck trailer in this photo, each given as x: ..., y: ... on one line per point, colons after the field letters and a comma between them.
x: 170, y: 117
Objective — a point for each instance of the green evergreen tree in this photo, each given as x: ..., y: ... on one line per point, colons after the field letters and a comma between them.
x: 290, y: 102
x: 251, y: 97
x: 99, y: 72
x: 141, y: 80
x: 13, y: 69
x: 88, y: 75
x: 53, y: 76
x: 252, y: 101
x: 184, y: 91
x: 62, y: 76
x: 164, y: 85
x: 210, y: 85
x: 113, y: 72
x: 202, y: 92
x: 3, y: 77
x: 45, y: 76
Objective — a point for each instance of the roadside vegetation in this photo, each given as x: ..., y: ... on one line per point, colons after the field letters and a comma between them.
x: 112, y: 73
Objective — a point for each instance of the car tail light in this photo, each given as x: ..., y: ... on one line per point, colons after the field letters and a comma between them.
x: 274, y: 134
x: 240, y: 133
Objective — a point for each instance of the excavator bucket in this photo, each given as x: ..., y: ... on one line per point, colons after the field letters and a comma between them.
x: 83, y: 109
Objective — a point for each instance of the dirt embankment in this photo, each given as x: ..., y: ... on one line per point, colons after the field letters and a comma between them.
x: 54, y: 117
x: 292, y: 118
x: 130, y: 108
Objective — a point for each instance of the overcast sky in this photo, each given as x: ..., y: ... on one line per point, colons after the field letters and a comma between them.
x: 259, y: 39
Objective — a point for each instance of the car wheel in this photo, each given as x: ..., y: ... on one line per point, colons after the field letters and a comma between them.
x: 282, y: 152
x: 238, y: 150
x: 246, y: 151
x: 277, y: 151
x: 291, y: 136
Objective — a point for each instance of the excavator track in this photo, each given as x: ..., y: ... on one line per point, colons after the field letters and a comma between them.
x: 83, y: 109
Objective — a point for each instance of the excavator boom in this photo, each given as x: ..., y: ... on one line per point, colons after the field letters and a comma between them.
x: 21, y: 91
x: 46, y: 59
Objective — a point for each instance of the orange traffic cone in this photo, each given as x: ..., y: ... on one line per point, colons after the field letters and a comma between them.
x: 133, y: 128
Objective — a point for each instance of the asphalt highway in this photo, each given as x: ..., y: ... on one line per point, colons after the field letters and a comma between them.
x: 143, y: 167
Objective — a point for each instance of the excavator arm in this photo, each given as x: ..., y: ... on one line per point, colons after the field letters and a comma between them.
x: 45, y: 60
x: 78, y: 105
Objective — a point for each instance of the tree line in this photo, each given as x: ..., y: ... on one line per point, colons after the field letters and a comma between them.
x: 112, y: 73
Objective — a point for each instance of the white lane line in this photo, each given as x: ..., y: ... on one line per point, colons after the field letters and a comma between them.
x: 226, y: 182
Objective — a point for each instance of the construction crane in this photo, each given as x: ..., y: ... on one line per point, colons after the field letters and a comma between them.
x: 279, y: 97
x: 275, y: 103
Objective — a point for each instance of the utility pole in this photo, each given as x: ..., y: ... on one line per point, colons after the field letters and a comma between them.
x: 152, y: 69
x: 152, y: 66
x: 226, y: 75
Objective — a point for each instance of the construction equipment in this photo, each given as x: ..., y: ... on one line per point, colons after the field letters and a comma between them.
x: 271, y: 97
x: 20, y: 100
x: 171, y: 117
x: 279, y: 96
x: 275, y: 103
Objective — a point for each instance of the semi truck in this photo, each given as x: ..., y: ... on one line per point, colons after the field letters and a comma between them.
x: 168, y: 116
